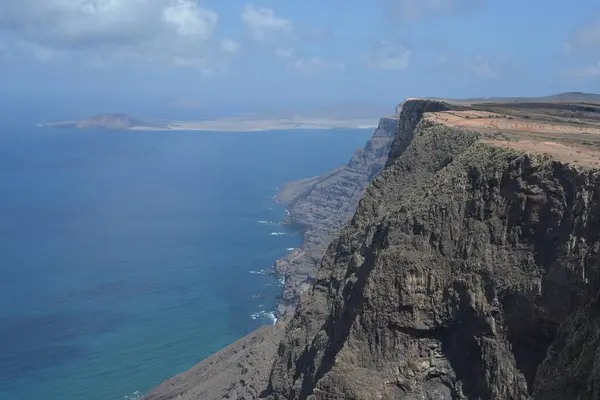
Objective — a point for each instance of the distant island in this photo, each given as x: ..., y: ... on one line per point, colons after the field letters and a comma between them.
x: 246, y: 123
x: 112, y: 121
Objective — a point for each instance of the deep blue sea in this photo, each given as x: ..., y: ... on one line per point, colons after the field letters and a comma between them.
x: 127, y: 257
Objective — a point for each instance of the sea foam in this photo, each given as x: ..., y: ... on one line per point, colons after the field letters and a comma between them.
x: 268, y: 222
x: 137, y: 395
x: 262, y: 272
x: 266, y: 315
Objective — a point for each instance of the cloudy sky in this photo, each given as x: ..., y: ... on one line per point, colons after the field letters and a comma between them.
x: 238, y: 55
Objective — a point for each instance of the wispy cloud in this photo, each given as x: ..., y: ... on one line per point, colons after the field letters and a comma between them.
x: 230, y: 46
x: 284, y: 53
x: 592, y: 71
x: 281, y: 38
x: 263, y: 24
x: 417, y: 9
x: 479, y: 67
x: 314, y: 65
x: 586, y: 37
x: 388, y: 56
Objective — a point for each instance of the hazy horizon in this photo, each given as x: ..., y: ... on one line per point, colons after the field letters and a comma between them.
x: 186, y: 56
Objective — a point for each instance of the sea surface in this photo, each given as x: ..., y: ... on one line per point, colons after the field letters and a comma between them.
x: 127, y: 257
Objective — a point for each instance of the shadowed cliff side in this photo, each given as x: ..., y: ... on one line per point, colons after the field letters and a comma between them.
x: 321, y: 205
x: 478, y: 242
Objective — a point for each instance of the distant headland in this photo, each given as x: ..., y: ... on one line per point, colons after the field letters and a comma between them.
x: 245, y: 123
x: 112, y: 121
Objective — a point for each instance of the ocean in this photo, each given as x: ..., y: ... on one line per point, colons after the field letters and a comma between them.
x: 127, y: 257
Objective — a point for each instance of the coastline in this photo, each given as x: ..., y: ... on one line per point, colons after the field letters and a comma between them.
x: 226, y: 125
x: 242, y: 369
x: 313, y: 210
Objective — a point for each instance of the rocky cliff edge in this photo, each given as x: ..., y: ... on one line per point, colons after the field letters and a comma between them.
x: 469, y: 270
x: 321, y: 205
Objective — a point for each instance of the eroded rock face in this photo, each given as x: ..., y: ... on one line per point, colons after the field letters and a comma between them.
x: 572, y: 367
x: 322, y: 205
x: 460, y: 265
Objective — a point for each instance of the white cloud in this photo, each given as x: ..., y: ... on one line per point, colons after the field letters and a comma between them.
x: 388, y: 56
x: 314, y: 65
x: 262, y: 23
x: 478, y: 67
x: 230, y: 46
x: 281, y: 38
x: 191, y: 21
x: 150, y: 30
x: 586, y: 37
x: 284, y: 53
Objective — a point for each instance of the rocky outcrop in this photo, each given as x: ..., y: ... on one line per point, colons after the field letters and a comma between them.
x: 321, y: 205
x: 571, y: 369
x: 461, y: 264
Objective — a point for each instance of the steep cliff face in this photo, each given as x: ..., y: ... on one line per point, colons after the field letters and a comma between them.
x: 470, y: 270
x: 322, y: 205
x: 467, y: 260
x: 572, y: 367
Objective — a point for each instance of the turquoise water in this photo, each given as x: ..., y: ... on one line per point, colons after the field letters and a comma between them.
x: 126, y: 257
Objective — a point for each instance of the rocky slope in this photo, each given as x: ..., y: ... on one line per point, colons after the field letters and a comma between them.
x: 321, y: 205
x: 466, y: 272
x: 240, y: 371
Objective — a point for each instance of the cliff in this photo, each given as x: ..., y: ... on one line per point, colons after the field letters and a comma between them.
x: 321, y: 205
x: 467, y: 270
x: 470, y: 269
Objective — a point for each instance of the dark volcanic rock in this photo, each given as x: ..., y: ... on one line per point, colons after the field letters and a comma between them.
x: 460, y: 264
x: 320, y: 206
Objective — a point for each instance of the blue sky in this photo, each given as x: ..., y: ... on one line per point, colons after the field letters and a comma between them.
x: 266, y: 54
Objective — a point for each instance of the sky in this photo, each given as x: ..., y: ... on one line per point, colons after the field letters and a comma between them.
x: 242, y: 56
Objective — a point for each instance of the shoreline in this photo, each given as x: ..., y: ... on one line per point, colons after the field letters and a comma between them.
x: 313, y: 213
x: 226, y: 125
